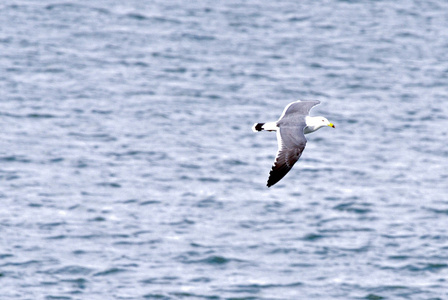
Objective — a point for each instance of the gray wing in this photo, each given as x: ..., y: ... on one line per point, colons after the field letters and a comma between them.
x: 297, y: 110
x: 291, y: 143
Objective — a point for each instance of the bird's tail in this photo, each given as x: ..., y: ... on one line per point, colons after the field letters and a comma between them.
x: 258, y: 127
x: 269, y: 126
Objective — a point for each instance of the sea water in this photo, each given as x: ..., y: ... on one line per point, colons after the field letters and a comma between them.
x: 129, y: 170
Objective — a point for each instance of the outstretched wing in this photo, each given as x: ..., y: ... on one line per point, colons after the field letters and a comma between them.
x: 297, y: 109
x: 291, y: 143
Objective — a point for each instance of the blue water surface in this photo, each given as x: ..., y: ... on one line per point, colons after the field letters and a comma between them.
x: 129, y: 170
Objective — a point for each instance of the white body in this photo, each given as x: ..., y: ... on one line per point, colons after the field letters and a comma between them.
x: 312, y: 124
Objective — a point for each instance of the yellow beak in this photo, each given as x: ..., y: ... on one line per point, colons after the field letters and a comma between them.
x: 331, y: 125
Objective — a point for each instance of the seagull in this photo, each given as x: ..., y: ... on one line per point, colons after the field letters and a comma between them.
x: 291, y: 128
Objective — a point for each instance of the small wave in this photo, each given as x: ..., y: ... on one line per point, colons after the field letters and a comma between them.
x: 15, y: 158
x: 210, y: 260
x: 353, y: 207
x: 40, y: 116
x: 79, y: 283
x: 156, y: 296
x: 209, y: 179
x: 137, y: 16
x: 313, y: 237
x: 182, y: 295
x: 76, y: 7
x: 111, y: 271
x: 374, y: 297
x: 70, y: 270
x: 198, y: 37
x: 109, y: 184
x: 259, y: 286
x: 149, y: 202
x: 51, y: 297
x: 7, y: 255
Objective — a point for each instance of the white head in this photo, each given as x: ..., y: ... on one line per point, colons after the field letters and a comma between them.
x: 314, y: 123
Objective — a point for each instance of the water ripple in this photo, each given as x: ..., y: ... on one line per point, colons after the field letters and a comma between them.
x: 129, y: 170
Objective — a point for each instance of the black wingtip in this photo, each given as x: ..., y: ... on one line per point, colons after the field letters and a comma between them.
x: 277, y: 173
x: 272, y: 180
x: 269, y: 184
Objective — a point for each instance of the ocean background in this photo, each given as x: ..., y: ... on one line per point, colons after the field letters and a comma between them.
x: 128, y: 168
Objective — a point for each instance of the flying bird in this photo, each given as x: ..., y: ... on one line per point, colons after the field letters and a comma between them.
x: 291, y: 128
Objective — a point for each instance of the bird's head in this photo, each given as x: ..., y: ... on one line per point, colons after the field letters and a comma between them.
x: 318, y: 122
x: 326, y: 122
